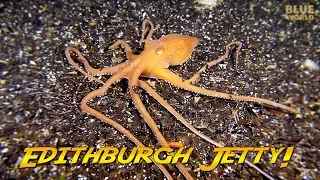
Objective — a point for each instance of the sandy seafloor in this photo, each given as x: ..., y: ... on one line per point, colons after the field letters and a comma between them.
x: 39, y: 105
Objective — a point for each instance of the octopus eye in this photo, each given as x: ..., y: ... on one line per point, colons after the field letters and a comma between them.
x: 159, y: 50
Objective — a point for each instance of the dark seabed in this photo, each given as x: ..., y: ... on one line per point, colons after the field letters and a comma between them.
x: 40, y: 92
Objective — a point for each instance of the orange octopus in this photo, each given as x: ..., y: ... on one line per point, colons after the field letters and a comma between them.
x: 153, y: 62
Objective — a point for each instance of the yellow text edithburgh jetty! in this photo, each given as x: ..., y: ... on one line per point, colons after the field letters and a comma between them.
x: 224, y: 155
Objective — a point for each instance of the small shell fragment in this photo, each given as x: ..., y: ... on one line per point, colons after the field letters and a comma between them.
x: 311, y: 65
x: 196, y: 99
